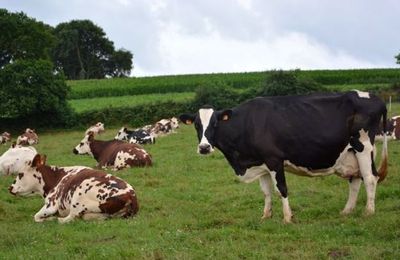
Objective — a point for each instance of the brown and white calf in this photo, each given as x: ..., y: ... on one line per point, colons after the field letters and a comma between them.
x: 5, y: 137
x: 96, y: 129
x: 75, y: 192
x: 28, y: 138
x: 115, y: 153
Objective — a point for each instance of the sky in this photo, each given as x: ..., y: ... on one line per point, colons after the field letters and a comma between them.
x: 209, y: 36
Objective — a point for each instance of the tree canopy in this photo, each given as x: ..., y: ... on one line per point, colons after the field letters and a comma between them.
x: 22, y: 37
x: 83, y: 51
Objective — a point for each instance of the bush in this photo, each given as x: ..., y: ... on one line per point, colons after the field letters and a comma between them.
x: 216, y: 93
x: 282, y: 83
x: 32, y: 93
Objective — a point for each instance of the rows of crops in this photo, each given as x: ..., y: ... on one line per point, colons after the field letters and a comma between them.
x: 188, y: 83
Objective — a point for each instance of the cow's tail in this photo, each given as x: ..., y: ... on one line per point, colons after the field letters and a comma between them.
x: 383, y: 167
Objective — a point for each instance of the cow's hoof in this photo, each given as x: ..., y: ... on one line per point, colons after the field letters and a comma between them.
x: 266, y: 215
x: 346, y: 212
x: 369, y: 212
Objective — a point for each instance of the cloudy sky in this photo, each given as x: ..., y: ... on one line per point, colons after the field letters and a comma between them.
x: 205, y: 36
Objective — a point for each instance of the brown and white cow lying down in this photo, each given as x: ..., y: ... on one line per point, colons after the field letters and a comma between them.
x: 96, y: 129
x: 115, y: 153
x: 71, y: 192
x: 5, y: 137
x: 28, y: 138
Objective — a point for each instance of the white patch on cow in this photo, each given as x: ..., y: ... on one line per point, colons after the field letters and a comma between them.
x: 265, y: 185
x: 121, y: 160
x: 15, y: 159
x: 365, y: 161
x: 254, y: 173
x: 354, y: 187
x: 96, y: 129
x: 205, y: 117
x: 362, y: 94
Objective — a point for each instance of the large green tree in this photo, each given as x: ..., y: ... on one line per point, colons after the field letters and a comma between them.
x: 22, y: 37
x: 398, y: 58
x: 83, y: 51
x: 30, y: 89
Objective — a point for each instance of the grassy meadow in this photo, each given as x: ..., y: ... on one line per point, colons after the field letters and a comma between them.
x: 193, y: 207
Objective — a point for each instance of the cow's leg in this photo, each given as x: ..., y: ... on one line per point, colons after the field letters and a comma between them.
x: 265, y: 184
x: 278, y: 177
x: 67, y: 219
x: 45, y: 213
x: 94, y: 216
x: 354, y: 187
x: 364, y: 157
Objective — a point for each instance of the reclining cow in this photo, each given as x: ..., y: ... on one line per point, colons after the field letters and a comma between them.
x: 96, y: 129
x: 115, y: 153
x: 71, y: 192
x: 28, y: 138
x: 135, y: 136
x: 5, y: 137
x: 16, y: 158
x: 314, y: 135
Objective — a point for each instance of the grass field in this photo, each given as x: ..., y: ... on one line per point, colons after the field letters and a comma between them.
x: 87, y: 104
x: 193, y: 207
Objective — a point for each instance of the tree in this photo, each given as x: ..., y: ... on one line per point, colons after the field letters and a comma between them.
x: 83, y: 51
x: 281, y: 83
x: 398, y: 58
x: 22, y: 37
x: 30, y: 89
x: 120, y: 64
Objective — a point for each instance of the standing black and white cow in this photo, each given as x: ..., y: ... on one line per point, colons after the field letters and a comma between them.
x: 313, y: 135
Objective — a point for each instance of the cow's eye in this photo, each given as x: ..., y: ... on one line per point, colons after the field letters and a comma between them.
x: 81, y: 144
x: 20, y: 175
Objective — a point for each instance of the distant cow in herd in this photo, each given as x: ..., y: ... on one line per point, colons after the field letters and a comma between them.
x: 96, y: 129
x: 392, y: 129
x: 5, y: 137
x: 75, y: 192
x: 28, y: 138
x: 115, y: 153
x: 15, y: 159
x: 135, y: 136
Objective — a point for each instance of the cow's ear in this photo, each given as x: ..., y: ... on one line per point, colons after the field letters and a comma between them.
x: 36, y: 161
x: 187, y: 119
x: 91, y: 136
x: 224, y: 115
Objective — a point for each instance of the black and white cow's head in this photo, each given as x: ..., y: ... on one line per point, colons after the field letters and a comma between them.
x: 206, y: 122
x: 84, y: 146
x: 122, y: 134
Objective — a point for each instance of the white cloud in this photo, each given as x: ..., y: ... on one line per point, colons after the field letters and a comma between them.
x: 182, y: 53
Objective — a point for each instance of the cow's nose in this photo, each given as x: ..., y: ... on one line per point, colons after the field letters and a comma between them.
x: 75, y: 151
x: 204, y: 148
x: 10, y: 190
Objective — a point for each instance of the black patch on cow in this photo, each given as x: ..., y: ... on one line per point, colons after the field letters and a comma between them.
x: 374, y: 171
x: 356, y: 144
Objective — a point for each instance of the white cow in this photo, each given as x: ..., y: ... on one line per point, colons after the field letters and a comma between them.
x: 16, y: 158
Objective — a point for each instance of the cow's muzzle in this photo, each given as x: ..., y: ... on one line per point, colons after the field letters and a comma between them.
x: 204, y: 148
x: 10, y: 189
x: 75, y: 151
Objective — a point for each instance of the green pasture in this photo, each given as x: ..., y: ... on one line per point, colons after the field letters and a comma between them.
x: 193, y: 207
x: 89, y: 104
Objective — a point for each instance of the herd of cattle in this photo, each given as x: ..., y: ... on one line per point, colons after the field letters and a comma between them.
x: 314, y: 135
x: 80, y: 191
